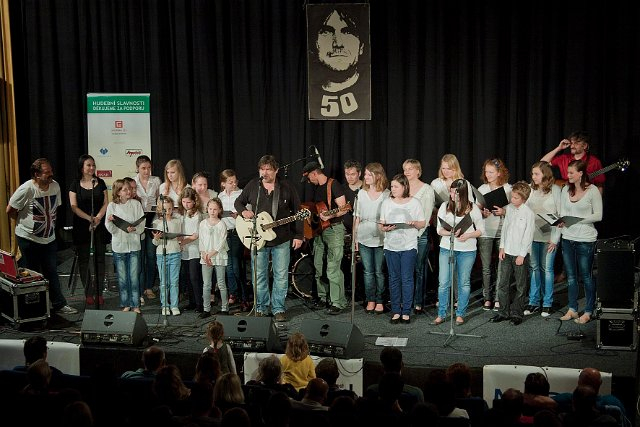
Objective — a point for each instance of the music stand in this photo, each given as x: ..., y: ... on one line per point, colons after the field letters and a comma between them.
x: 452, y: 260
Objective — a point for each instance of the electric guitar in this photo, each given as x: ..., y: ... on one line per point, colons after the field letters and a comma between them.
x: 621, y: 164
x: 264, y: 227
x: 315, y: 226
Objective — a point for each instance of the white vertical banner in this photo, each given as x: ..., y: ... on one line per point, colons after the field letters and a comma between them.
x: 119, y: 130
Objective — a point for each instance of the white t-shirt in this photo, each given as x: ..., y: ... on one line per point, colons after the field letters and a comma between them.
x: 228, y: 201
x: 37, y: 211
x: 492, y: 223
x: 469, y: 244
x: 401, y: 239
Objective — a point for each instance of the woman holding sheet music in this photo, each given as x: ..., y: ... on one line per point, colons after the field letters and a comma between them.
x: 86, y: 193
x: 122, y: 215
x: 494, y: 175
x: 580, y: 198
x: 469, y: 225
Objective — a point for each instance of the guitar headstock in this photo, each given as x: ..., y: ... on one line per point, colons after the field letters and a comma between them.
x: 302, y: 214
x: 623, y: 164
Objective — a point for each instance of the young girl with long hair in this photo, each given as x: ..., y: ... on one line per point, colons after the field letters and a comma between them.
x: 170, y: 276
x: 174, y: 181
x: 192, y: 273
x: 213, y: 254
x: 220, y: 349
x: 200, y: 183
x: 125, y: 245
x: 297, y: 365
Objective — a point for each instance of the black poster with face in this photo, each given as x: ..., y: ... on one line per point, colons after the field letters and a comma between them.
x: 339, y: 61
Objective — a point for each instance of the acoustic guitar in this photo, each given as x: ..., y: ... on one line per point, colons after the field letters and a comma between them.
x: 264, y: 227
x: 621, y: 164
x: 315, y: 226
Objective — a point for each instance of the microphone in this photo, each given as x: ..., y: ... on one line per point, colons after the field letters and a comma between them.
x: 318, y: 156
x: 260, y: 178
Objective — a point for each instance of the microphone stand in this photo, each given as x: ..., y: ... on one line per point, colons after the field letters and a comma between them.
x: 93, y: 261
x: 254, y: 253
x: 165, y: 230
x: 452, y: 260
x: 353, y: 264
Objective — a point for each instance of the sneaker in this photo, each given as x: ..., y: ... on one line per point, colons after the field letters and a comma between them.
x: 487, y: 305
x: 546, y: 312
x: 166, y: 311
x: 204, y: 315
x: 496, y: 306
x: 67, y: 310
x: 175, y: 311
x: 141, y: 300
x: 333, y: 310
x: 531, y: 309
x: 149, y: 294
x: 280, y: 317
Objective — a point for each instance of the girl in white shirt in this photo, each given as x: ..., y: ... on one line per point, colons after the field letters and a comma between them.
x: 369, y: 239
x: 125, y: 244
x: 200, y: 182
x: 401, y: 218
x: 174, y: 181
x: 190, y: 211
x: 213, y: 254
x: 168, y: 253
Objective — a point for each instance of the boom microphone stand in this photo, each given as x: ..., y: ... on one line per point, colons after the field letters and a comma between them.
x: 452, y: 261
x: 353, y: 264
x: 165, y: 230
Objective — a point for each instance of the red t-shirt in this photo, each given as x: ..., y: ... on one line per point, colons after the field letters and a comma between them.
x: 593, y: 164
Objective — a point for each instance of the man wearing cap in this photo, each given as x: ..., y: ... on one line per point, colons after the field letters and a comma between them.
x: 280, y: 200
x: 328, y: 195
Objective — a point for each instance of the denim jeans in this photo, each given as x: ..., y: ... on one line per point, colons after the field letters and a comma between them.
x: 541, y: 266
x: 515, y: 308
x: 422, y: 267
x: 488, y: 247
x: 172, y: 276
x: 463, y: 263
x: 147, y: 275
x: 235, y: 267
x: 330, y: 241
x: 43, y: 259
x: 372, y: 258
x: 400, y: 266
x: 207, y: 273
x: 578, y: 260
x: 127, y: 266
x: 280, y: 256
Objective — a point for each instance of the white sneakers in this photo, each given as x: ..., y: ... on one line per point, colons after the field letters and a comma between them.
x: 175, y: 311
x: 67, y: 310
x: 166, y: 311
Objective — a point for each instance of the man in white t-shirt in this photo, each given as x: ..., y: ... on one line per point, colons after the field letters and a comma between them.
x: 34, y: 205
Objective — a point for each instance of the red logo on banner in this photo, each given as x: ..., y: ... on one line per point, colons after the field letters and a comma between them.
x: 104, y: 174
x: 133, y: 152
x: 119, y: 124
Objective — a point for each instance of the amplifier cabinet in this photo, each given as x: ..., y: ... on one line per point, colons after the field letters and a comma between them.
x: 617, y: 330
x: 24, y: 302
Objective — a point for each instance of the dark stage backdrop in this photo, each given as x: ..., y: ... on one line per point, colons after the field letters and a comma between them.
x: 227, y: 80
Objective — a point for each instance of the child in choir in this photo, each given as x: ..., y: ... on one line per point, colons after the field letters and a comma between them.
x: 168, y: 254
x: 213, y: 254
x: 148, y: 189
x: 235, y: 267
x: 134, y: 196
x: 494, y: 175
x: 200, y: 182
x: 401, y: 217
x: 174, y: 181
x: 220, y: 349
x: 449, y: 171
x: 544, y: 198
x: 125, y: 244
x: 297, y: 365
x: 191, y: 217
x: 515, y: 245
x: 464, y: 249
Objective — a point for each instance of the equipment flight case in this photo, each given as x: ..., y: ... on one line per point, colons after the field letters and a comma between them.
x: 24, y: 302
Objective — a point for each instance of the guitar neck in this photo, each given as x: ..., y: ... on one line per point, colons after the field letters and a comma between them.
x: 279, y: 222
x: 603, y: 170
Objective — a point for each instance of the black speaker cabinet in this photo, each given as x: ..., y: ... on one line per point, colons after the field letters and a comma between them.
x: 250, y: 334
x: 332, y: 338
x: 113, y: 327
x: 615, y: 282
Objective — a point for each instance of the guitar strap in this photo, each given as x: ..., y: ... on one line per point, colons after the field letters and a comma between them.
x: 329, y: 183
x: 275, y: 200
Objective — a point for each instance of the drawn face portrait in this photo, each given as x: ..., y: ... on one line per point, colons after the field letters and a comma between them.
x: 338, y: 43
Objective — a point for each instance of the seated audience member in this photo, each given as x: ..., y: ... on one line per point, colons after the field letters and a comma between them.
x: 77, y: 414
x: 424, y: 414
x: 536, y: 394
x: 207, y: 369
x: 270, y: 377
x: 342, y: 412
x: 227, y: 393
x: 278, y: 411
x: 459, y: 375
x: 315, y: 396
x: 439, y: 391
x: 391, y: 359
x: 507, y: 411
x: 35, y: 348
x: 169, y: 390
x: 387, y: 410
x: 584, y: 412
x: 297, y: 365
x: 546, y: 418
x: 589, y: 377
x: 38, y: 378
x: 327, y: 369
x: 153, y: 360
x: 203, y: 412
x: 236, y: 417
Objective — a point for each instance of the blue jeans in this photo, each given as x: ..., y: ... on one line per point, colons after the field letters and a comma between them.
x: 172, y: 276
x: 541, y: 265
x: 422, y: 267
x: 207, y: 273
x: 400, y: 266
x: 235, y: 272
x: 147, y: 275
x: 578, y: 260
x: 127, y: 266
x: 280, y: 256
x: 43, y: 259
x: 463, y: 261
x: 372, y: 259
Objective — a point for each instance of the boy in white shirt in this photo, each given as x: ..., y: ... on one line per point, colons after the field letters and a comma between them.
x: 515, y: 245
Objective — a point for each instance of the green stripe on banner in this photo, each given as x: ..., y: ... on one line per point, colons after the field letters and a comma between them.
x: 118, y: 104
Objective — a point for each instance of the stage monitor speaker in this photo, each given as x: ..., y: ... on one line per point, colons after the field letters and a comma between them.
x: 113, y: 327
x: 332, y: 338
x: 250, y: 334
x: 615, y: 282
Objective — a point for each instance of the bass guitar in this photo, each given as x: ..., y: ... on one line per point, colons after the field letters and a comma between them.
x: 264, y: 227
x: 621, y: 164
x: 315, y: 225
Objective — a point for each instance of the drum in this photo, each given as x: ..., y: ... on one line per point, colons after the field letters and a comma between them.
x: 302, y: 276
